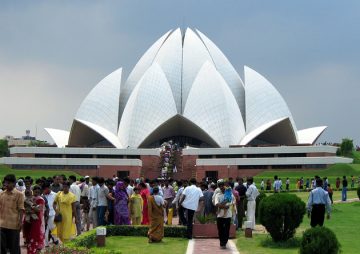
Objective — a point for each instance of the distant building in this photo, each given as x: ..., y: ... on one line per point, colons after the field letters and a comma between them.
x: 23, y: 141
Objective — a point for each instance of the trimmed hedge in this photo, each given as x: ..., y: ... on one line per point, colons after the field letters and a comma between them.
x: 88, y: 239
x: 281, y: 214
x: 319, y: 240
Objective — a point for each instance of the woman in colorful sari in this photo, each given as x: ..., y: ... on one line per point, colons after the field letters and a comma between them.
x: 36, y: 235
x: 64, y: 204
x: 156, y: 214
x: 145, y: 193
x: 121, y: 210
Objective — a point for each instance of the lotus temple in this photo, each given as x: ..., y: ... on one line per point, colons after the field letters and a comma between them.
x: 183, y: 111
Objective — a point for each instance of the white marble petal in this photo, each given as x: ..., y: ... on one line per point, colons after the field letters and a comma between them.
x: 212, y: 106
x: 60, y: 137
x: 150, y: 104
x: 310, y: 135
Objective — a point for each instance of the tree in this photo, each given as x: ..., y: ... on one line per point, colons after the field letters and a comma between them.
x: 4, y: 148
x: 346, y: 147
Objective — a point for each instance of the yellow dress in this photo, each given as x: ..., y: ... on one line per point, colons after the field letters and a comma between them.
x: 66, y: 228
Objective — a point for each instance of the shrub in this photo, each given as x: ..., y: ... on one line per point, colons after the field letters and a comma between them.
x: 358, y: 192
x: 281, y: 214
x: 65, y: 250
x: 319, y: 240
x: 258, y: 201
x: 88, y: 239
x: 206, y: 219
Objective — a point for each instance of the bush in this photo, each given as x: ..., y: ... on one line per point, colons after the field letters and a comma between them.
x: 319, y: 240
x: 64, y: 250
x: 88, y: 239
x: 206, y: 219
x: 281, y: 214
x: 358, y: 192
x: 258, y: 201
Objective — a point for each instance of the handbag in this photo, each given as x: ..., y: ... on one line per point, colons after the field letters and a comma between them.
x: 58, y: 217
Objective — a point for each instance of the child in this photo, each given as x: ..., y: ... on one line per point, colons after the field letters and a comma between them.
x: 29, y: 206
x: 136, y: 207
x: 227, y: 198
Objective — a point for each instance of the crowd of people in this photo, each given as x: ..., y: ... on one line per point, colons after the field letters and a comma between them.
x: 57, y: 209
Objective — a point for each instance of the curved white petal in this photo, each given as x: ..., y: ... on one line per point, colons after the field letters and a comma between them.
x: 256, y: 132
x: 100, y: 107
x: 169, y: 58
x: 138, y: 71
x: 195, y: 54
x: 60, y: 137
x: 263, y: 102
x: 225, y: 68
x: 212, y: 106
x: 150, y: 104
x: 310, y: 135
x: 109, y: 136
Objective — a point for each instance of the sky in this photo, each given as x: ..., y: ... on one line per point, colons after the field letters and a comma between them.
x: 52, y: 53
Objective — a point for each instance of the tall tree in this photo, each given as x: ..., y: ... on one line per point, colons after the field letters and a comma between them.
x: 4, y: 148
x: 346, y: 147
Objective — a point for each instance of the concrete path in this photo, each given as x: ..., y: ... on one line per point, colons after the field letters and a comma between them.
x: 210, y: 246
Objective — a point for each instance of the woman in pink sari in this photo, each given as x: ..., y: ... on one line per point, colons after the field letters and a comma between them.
x: 145, y: 193
x: 36, y: 235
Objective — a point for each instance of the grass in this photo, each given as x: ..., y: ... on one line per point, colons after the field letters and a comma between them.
x: 334, y: 171
x: 140, y: 245
x: 35, y: 174
x: 356, y: 157
x: 343, y: 222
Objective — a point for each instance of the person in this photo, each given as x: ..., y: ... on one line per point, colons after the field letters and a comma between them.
x: 317, y: 202
x: 64, y: 204
x: 50, y: 197
x: 209, y: 207
x: 136, y: 207
x: 352, y: 181
x: 144, y: 193
x: 344, y: 189
x: 251, y: 194
x: 36, y: 235
x: 56, y: 186
x: 287, y: 183
x: 268, y: 184
x: 224, y: 214
x: 181, y: 185
x: 121, y: 202
x: 190, y: 201
x: 240, y: 205
x: 337, y: 183
x: 331, y: 192
x: 84, y: 204
x: 75, y: 189
x: 277, y: 184
x: 156, y: 205
x: 11, y: 214
x: 93, y: 199
x: 169, y: 195
x: 103, y: 194
x: 262, y: 184
x: 111, y: 202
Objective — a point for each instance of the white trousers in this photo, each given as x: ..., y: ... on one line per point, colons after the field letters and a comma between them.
x: 250, y: 213
x: 49, y: 228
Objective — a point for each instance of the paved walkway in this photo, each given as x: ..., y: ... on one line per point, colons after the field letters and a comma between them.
x: 210, y: 246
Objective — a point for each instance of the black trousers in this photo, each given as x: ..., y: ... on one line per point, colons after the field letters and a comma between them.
x: 189, y: 222
x: 10, y: 240
x: 223, y: 225
x: 317, y: 215
x: 241, y: 212
x: 182, y: 218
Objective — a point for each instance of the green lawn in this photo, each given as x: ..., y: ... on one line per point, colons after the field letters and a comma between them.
x: 35, y: 174
x: 334, y: 171
x: 344, y: 222
x: 337, y: 195
x: 140, y: 245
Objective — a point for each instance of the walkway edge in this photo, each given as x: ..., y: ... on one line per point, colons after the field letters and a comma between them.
x: 233, y: 248
x: 190, y: 247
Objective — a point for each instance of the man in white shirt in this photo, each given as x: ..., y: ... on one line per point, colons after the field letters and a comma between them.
x: 84, y: 204
x: 251, y: 194
x: 190, y: 201
x: 224, y: 215
x: 103, y: 193
x: 277, y: 184
x: 93, y: 198
x: 50, y: 197
x: 74, y: 189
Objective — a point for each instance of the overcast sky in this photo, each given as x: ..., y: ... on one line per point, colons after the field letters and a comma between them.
x: 52, y: 53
